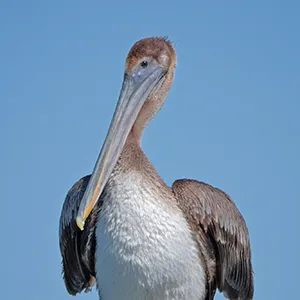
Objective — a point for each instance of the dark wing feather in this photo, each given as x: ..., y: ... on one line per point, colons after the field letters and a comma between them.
x: 77, y: 247
x: 214, y: 213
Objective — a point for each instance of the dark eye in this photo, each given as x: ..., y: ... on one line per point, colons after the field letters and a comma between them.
x: 144, y: 64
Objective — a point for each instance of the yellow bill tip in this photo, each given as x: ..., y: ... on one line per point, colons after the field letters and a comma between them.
x: 80, y: 223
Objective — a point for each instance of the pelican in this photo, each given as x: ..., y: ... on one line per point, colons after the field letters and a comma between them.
x: 124, y: 229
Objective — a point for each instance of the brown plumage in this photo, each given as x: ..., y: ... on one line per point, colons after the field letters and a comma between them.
x: 222, y: 233
x: 216, y: 225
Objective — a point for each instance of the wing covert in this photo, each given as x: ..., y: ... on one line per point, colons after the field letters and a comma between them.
x: 214, y: 213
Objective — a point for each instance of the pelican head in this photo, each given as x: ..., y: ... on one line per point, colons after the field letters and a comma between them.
x: 148, y: 76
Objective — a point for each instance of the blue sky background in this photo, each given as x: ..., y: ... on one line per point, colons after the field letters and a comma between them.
x: 232, y: 119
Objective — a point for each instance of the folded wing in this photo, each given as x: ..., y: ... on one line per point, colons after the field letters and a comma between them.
x: 77, y: 247
x: 222, y: 235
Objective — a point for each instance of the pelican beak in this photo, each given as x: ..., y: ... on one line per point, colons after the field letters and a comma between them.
x: 137, y: 87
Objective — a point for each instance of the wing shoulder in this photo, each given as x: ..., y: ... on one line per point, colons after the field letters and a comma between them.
x: 77, y: 247
x: 215, y: 214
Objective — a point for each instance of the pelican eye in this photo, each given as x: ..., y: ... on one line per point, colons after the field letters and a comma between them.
x: 143, y: 70
x: 144, y: 63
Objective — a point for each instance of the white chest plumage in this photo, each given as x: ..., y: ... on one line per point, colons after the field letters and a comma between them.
x: 145, y: 251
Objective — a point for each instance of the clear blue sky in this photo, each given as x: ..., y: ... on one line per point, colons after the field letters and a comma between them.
x: 232, y: 119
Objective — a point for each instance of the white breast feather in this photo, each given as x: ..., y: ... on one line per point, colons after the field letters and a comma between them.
x: 144, y: 250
